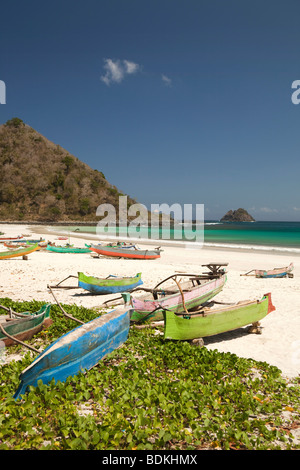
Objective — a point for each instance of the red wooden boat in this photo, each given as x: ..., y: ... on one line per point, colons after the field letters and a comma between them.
x: 119, y: 252
x: 7, y: 239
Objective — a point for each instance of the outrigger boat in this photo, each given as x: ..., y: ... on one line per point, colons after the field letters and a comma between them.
x: 23, y: 243
x: 197, y: 290
x: 120, y: 252
x: 209, y: 321
x: 67, y: 249
x: 21, y: 252
x: 21, y: 326
x: 275, y: 272
x: 78, y: 350
x: 9, y: 239
x: 109, y: 285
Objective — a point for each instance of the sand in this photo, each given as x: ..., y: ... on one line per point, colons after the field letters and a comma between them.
x: 279, y: 343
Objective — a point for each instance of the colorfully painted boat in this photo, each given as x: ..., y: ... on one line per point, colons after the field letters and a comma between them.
x: 192, y: 293
x: 24, y: 325
x: 67, y: 249
x: 127, y: 246
x: 9, y: 239
x: 21, y: 252
x: 110, y: 285
x: 20, y: 243
x: 79, y: 350
x: 275, y: 272
x: 210, y: 321
x: 119, y: 252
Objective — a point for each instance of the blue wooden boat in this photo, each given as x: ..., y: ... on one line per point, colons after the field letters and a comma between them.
x: 78, y: 350
x: 110, y: 285
x: 272, y: 273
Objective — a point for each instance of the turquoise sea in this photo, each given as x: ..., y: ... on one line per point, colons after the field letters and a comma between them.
x: 278, y: 236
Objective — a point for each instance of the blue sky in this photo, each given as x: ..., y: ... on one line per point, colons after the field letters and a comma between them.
x: 174, y: 101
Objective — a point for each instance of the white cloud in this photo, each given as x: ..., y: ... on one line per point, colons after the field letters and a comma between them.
x: 166, y: 80
x: 296, y: 208
x: 116, y: 70
x: 267, y: 209
x: 131, y: 67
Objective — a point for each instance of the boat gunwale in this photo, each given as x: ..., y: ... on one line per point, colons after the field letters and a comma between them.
x: 150, y: 302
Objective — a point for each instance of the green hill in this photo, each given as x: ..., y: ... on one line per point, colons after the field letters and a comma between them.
x: 41, y: 181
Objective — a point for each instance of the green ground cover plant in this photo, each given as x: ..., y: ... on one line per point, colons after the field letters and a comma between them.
x: 150, y: 394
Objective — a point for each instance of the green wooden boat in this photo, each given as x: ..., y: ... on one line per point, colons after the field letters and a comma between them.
x: 210, y: 321
x: 67, y: 249
x: 22, y: 252
x: 21, y: 326
x: 110, y: 285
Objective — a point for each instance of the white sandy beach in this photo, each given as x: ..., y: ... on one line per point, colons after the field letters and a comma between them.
x: 279, y: 343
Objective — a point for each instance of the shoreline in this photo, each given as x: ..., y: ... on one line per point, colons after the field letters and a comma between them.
x: 47, y: 230
x: 279, y: 343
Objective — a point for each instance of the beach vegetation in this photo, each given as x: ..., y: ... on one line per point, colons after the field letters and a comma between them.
x: 150, y: 394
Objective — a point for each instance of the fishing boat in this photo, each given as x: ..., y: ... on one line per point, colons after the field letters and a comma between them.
x: 78, y: 350
x: 110, y: 285
x: 19, y: 243
x: 115, y: 245
x: 19, y: 252
x: 209, y: 321
x: 120, y: 252
x: 27, y: 240
x: 67, y: 249
x: 197, y: 290
x: 8, y: 239
x: 275, y: 272
x: 21, y: 326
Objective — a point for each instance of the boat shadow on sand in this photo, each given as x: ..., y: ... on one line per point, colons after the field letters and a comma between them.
x: 226, y: 336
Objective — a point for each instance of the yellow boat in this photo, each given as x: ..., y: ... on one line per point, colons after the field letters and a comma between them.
x: 22, y: 252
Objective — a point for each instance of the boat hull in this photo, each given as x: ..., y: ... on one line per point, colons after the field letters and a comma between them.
x: 276, y: 272
x: 16, y: 253
x: 125, y: 253
x: 211, y: 323
x: 153, y: 309
x: 78, y: 350
x: 62, y: 249
x: 27, y: 326
x: 111, y: 285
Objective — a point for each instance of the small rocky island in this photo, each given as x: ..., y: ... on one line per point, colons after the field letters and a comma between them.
x: 240, y: 215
